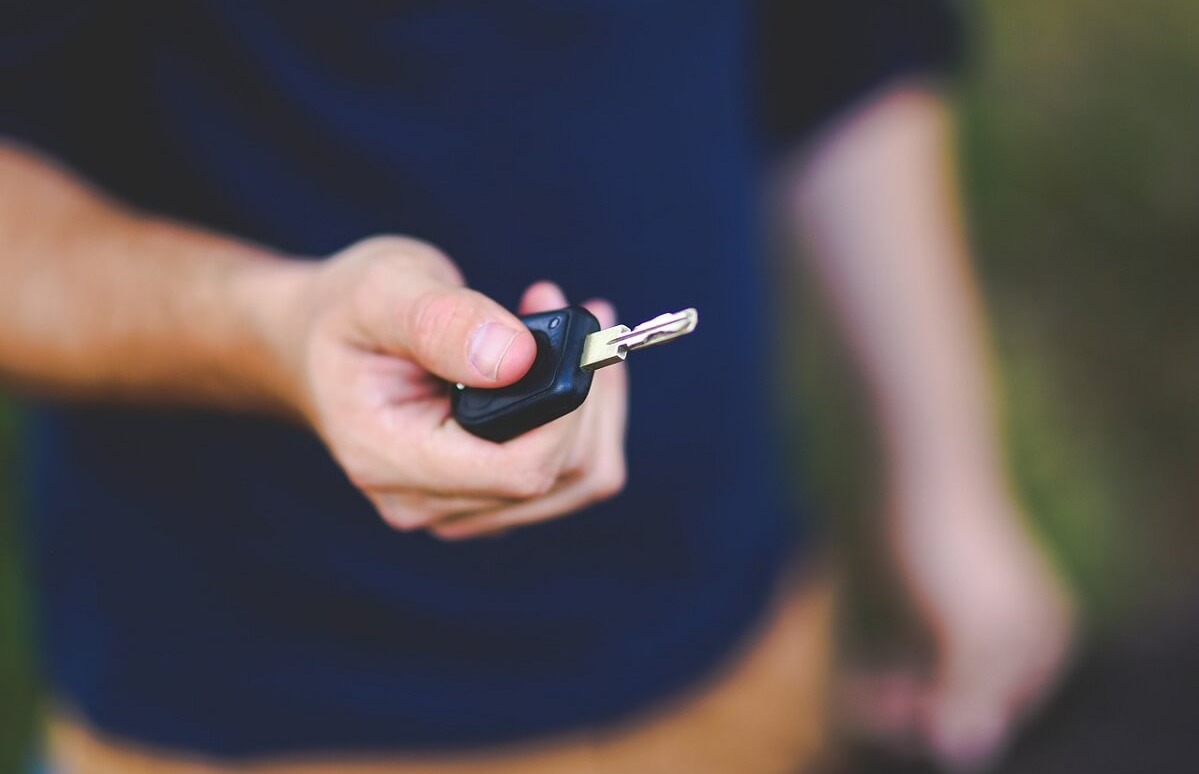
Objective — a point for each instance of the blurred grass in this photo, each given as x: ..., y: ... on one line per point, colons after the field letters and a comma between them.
x: 1079, y: 125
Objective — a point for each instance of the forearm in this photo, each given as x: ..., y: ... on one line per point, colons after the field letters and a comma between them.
x: 100, y: 302
x: 877, y: 202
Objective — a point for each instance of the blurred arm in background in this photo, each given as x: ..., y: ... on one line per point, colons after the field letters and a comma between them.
x: 876, y: 198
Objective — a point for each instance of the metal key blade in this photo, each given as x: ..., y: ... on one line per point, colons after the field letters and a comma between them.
x: 613, y: 345
x: 659, y: 330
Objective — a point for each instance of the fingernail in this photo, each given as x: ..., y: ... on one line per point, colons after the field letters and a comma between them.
x: 488, y: 346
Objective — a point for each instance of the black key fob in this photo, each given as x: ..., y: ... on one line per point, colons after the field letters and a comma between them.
x: 555, y: 386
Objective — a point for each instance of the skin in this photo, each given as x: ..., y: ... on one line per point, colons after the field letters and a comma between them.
x: 877, y: 200
x: 102, y: 303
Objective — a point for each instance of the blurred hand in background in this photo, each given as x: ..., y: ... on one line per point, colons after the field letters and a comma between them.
x: 876, y: 198
x: 1001, y: 624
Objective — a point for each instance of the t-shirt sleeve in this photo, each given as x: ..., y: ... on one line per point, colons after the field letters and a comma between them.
x: 819, y: 56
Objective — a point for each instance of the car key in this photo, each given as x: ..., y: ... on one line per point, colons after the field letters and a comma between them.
x: 570, y: 347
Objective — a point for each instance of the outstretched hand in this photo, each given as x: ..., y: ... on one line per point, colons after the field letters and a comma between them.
x: 381, y: 330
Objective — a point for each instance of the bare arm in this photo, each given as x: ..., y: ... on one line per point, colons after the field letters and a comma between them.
x: 877, y: 200
x: 98, y: 302
x: 877, y: 203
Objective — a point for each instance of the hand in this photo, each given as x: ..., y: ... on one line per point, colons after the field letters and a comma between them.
x: 378, y: 332
x: 595, y: 468
x: 1002, y: 624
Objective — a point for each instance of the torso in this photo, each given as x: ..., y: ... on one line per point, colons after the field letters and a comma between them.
x: 213, y: 583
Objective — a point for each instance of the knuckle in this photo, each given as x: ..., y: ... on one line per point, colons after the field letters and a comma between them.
x: 387, y: 244
x: 609, y: 481
x: 379, y: 250
x: 360, y: 468
x: 532, y: 483
x: 432, y: 315
x: 368, y: 464
x: 360, y: 479
x: 394, y: 251
x: 405, y: 517
x: 427, y: 258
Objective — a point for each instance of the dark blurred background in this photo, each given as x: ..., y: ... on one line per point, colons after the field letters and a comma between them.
x: 1079, y: 128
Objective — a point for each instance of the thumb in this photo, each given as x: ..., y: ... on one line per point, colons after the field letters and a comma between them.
x: 463, y: 336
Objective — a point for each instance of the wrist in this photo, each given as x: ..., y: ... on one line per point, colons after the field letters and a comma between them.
x: 270, y: 298
x: 972, y: 484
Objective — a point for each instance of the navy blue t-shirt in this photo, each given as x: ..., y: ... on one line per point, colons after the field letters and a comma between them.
x: 211, y: 581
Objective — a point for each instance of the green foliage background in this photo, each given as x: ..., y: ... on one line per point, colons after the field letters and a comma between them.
x: 1080, y: 151
x: 1080, y: 122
